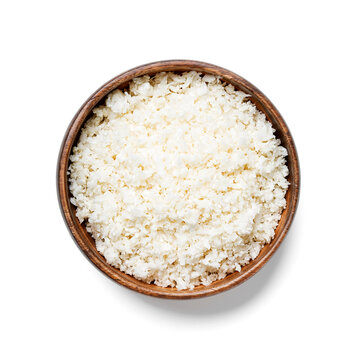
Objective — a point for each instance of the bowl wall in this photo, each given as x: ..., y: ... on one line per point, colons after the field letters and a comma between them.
x: 84, y: 240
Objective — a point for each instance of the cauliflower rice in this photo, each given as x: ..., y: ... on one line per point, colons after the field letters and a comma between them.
x: 179, y: 179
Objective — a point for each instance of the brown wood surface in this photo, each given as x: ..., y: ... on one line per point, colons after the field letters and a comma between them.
x: 86, y: 242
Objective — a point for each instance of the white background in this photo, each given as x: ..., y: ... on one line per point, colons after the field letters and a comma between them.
x: 304, y: 303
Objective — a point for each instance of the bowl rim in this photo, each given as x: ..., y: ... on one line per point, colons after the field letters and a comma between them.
x: 77, y: 232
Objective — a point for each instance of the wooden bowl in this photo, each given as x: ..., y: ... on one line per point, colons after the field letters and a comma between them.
x: 86, y: 242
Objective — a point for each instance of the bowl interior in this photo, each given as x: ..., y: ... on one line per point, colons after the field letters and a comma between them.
x: 87, y: 243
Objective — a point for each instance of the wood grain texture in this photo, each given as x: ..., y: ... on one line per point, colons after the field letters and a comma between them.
x: 84, y: 240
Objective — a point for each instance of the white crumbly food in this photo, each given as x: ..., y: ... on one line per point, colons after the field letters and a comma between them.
x: 179, y: 179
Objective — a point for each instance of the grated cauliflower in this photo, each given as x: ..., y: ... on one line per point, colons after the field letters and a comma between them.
x: 179, y: 179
